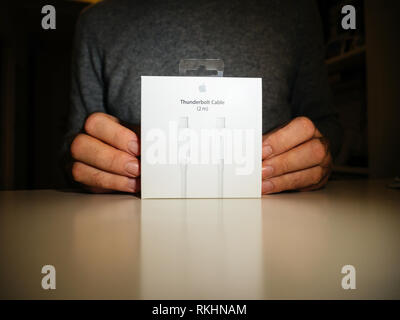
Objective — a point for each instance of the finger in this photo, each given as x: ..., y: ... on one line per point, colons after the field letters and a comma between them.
x: 327, y: 165
x: 96, y: 178
x: 294, y: 133
x: 97, y: 154
x: 306, y: 155
x: 107, y: 129
x: 317, y: 186
x: 294, y: 180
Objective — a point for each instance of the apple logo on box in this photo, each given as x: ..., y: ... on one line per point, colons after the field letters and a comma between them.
x: 202, y: 88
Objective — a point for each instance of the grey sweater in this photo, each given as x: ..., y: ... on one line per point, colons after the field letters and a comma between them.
x: 280, y: 41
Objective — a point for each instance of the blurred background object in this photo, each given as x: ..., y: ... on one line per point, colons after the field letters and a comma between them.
x: 34, y: 88
x: 346, y: 64
x: 362, y: 64
x: 364, y: 71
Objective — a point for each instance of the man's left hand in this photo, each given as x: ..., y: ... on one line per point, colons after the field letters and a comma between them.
x: 295, y: 157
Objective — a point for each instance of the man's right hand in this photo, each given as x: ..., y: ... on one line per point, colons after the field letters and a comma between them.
x: 105, y: 156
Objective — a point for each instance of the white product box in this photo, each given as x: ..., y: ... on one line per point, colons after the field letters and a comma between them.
x: 201, y: 137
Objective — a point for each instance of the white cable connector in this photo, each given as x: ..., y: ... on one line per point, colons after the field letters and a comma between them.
x: 220, y: 124
x: 183, y: 161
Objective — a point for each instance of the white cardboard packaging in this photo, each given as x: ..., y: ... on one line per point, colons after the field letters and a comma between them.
x: 201, y: 137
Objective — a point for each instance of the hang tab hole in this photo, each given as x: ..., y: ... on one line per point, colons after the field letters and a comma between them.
x: 201, y: 67
x: 202, y: 72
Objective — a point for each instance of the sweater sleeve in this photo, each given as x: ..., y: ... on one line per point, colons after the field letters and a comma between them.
x: 311, y: 96
x: 87, y: 88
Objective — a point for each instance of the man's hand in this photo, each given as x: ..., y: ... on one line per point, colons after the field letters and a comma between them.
x: 295, y: 157
x: 106, y: 155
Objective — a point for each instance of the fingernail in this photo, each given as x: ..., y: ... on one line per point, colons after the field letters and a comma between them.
x: 133, y: 147
x: 132, y: 167
x: 132, y: 185
x: 266, y: 151
x: 267, y: 186
x: 267, y: 171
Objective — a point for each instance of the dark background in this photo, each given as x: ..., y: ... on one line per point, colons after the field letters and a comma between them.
x: 363, y: 67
